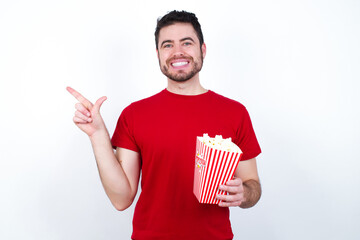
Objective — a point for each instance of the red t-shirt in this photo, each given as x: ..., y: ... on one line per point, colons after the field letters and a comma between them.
x: 163, y: 129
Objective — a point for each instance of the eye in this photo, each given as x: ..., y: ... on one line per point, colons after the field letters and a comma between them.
x: 167, y: 46
x: 187, y: 43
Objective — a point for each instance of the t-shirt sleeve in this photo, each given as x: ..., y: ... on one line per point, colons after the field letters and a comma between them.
x: 123, y: 135
x: 246, y: 138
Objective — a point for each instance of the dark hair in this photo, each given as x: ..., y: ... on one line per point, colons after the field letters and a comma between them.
x: 178, y: 16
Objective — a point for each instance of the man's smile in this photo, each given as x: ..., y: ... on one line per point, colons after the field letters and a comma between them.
x: 179, y: 64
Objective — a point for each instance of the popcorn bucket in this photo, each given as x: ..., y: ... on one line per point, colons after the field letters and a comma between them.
x: 213, y: 167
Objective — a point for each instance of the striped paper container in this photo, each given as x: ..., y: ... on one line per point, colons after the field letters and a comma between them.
x: 213, y: 168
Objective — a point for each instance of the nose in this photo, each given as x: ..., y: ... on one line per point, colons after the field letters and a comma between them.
x: 178, y: 51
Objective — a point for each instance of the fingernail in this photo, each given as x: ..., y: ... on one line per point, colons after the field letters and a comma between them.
x: 88, y: 114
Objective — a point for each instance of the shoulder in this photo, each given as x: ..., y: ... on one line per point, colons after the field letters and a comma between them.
x: 144, y: 107
x: 226, y: 102
x: 146, y: 102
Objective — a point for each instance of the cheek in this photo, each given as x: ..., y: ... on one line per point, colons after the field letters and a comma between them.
x: 163, y: 58
x: 195, y: 54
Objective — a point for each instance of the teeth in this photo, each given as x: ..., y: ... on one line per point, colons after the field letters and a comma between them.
x: 178, y: 64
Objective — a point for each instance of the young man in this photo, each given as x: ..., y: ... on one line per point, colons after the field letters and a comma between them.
x: 157, y: 136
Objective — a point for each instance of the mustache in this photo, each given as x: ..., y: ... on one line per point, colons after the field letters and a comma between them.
x: 176, y: 58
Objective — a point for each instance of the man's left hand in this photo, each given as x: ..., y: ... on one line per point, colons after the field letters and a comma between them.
x: 235, y: 196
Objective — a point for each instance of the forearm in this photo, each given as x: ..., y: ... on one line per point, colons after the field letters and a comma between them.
x: 252, y: 193
x: 112, y: 175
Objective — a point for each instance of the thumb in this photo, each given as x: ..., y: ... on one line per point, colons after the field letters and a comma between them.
x: 98, y: 103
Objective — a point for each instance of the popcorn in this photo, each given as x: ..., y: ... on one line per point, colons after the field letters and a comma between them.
x: 220, y: 143
x: 215, y: 162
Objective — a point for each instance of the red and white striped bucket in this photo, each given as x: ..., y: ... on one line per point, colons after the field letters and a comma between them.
x: 213, y: 167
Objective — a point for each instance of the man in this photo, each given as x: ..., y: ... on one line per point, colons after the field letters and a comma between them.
x: 157, y: 135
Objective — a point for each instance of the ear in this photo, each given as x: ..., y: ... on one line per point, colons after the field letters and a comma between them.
x: 157, y: 53
x: 203, y: 49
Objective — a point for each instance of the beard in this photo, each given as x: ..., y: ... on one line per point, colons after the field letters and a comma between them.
x: 180, y: 75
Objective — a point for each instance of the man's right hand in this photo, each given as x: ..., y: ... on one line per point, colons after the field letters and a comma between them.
x: 119, y: 173
x: 87, y: 116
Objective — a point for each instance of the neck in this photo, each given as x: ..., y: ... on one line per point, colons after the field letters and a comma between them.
x: 189, y: 87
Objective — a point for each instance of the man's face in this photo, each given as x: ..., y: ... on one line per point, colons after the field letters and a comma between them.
x: 179, y: 52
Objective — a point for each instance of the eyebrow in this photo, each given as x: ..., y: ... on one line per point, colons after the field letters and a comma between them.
x: 187, y: 38
x: 166, y: 41
x: 181, y: 40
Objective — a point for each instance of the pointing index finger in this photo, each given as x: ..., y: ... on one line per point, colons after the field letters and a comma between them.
x: 79, y: 97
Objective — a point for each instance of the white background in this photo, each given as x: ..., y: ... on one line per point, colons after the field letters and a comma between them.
x: 293, y: 64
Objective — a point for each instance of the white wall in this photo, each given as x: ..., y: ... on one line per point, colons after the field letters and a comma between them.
x: 294, y: 64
